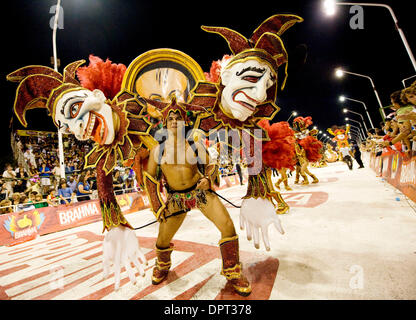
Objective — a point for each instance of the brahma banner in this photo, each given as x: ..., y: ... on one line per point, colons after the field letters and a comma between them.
x: 399, y: 171
x: 18, y: 227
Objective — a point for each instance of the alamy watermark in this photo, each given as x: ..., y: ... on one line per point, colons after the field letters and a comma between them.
x: 56, y: 280
x: 357, y: 20
x: 53, y: 10
x: 357, y: 280
x: 228, y: 144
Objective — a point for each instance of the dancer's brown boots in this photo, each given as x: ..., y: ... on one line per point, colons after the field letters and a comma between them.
x: 231, y: 266
x: 162, y: 266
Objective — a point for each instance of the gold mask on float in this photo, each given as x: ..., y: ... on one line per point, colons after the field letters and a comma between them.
x: 161, y: 83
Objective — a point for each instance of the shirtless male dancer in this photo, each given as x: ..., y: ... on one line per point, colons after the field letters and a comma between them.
x: 173, y: 161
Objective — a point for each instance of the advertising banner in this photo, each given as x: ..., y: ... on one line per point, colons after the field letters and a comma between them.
x: 398, y: 170
x: 18, y: 227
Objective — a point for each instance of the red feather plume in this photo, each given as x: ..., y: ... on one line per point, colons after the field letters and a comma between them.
x: 103, y: 75
x: 215, y: 70
x: 279, y: 152
x: 312, y: 147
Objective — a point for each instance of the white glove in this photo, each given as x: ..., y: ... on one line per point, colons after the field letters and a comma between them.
x: 258, y: 214
x: 121, y: 247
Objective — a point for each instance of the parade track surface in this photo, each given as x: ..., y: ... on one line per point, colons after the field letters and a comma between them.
x: 351, y: 236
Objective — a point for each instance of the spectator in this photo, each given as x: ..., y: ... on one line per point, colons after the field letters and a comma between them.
x: 83, y: 188
x: 9, y: 174
x: 25, y: 204
x: 34, y: 186
x: 127, y: 179
x: 20, y: 184
x: 56, y: 170
x: 52, y: 199
x: 45, y: 181
x: 30, y: 158
x: 72, y: 183
x: 32, y: 196
x: 92, y: 179
x: 3, y: 192
x: 15, y: 198
x: 40, y: 202
x: 6, y: 206
x: 117, y: 182
x: 54, y: 184
x: 64, y: 193
x: 74, y: 198
x: 405, y: 126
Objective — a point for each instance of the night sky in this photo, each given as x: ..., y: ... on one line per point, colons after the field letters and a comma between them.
x: 122, y: 30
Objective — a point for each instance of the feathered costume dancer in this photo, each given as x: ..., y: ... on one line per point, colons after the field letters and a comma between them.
x: 279, y: 153
x: 331, y: 155
x: 307, y: 148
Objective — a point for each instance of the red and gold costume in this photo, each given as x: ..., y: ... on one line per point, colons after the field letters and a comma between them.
x: 264, y: 45
x: 279, y: 153
x: 340, y: 137
x: 307, y: 148
x: 42, y: 87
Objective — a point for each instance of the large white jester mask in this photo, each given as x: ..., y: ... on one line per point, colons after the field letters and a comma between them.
x: 85, y: 114
x: 245, y: 87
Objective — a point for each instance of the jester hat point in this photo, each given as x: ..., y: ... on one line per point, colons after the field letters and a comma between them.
x: 184, y: 109
x: 40, y: 86
x: 265, y: 42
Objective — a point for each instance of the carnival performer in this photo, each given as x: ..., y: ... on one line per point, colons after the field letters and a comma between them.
x: 176, y: 162
x: 279, y: 153
x: 341, y: 138
x: 346, y: 156
x: 307, y: 149
x: 331, y: 155
x: 240, y: 94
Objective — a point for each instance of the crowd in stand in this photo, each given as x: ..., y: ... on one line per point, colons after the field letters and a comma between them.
x: 35, y: 180
x: 398, y: 132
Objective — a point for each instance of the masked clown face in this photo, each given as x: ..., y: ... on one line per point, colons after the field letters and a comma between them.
x: 85, y: 114
x: 341, y: 136
x: 160, y: 84
x: 245, y: 87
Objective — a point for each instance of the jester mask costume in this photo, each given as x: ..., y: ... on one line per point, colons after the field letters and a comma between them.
x: 91, y: 109
x: 244, y: 94
x: 340, y: 136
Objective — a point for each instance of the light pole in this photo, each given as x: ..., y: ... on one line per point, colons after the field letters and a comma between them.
x: 343, y: 98
x: 340, y: 73
x: 294, y: 113
x: 347, y: 110
x: 355, y: 130
x: 329, y: 7
x: 55, y: 66
x: 355, y: 136
x: 348, y: 119
x: 404, y: 80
